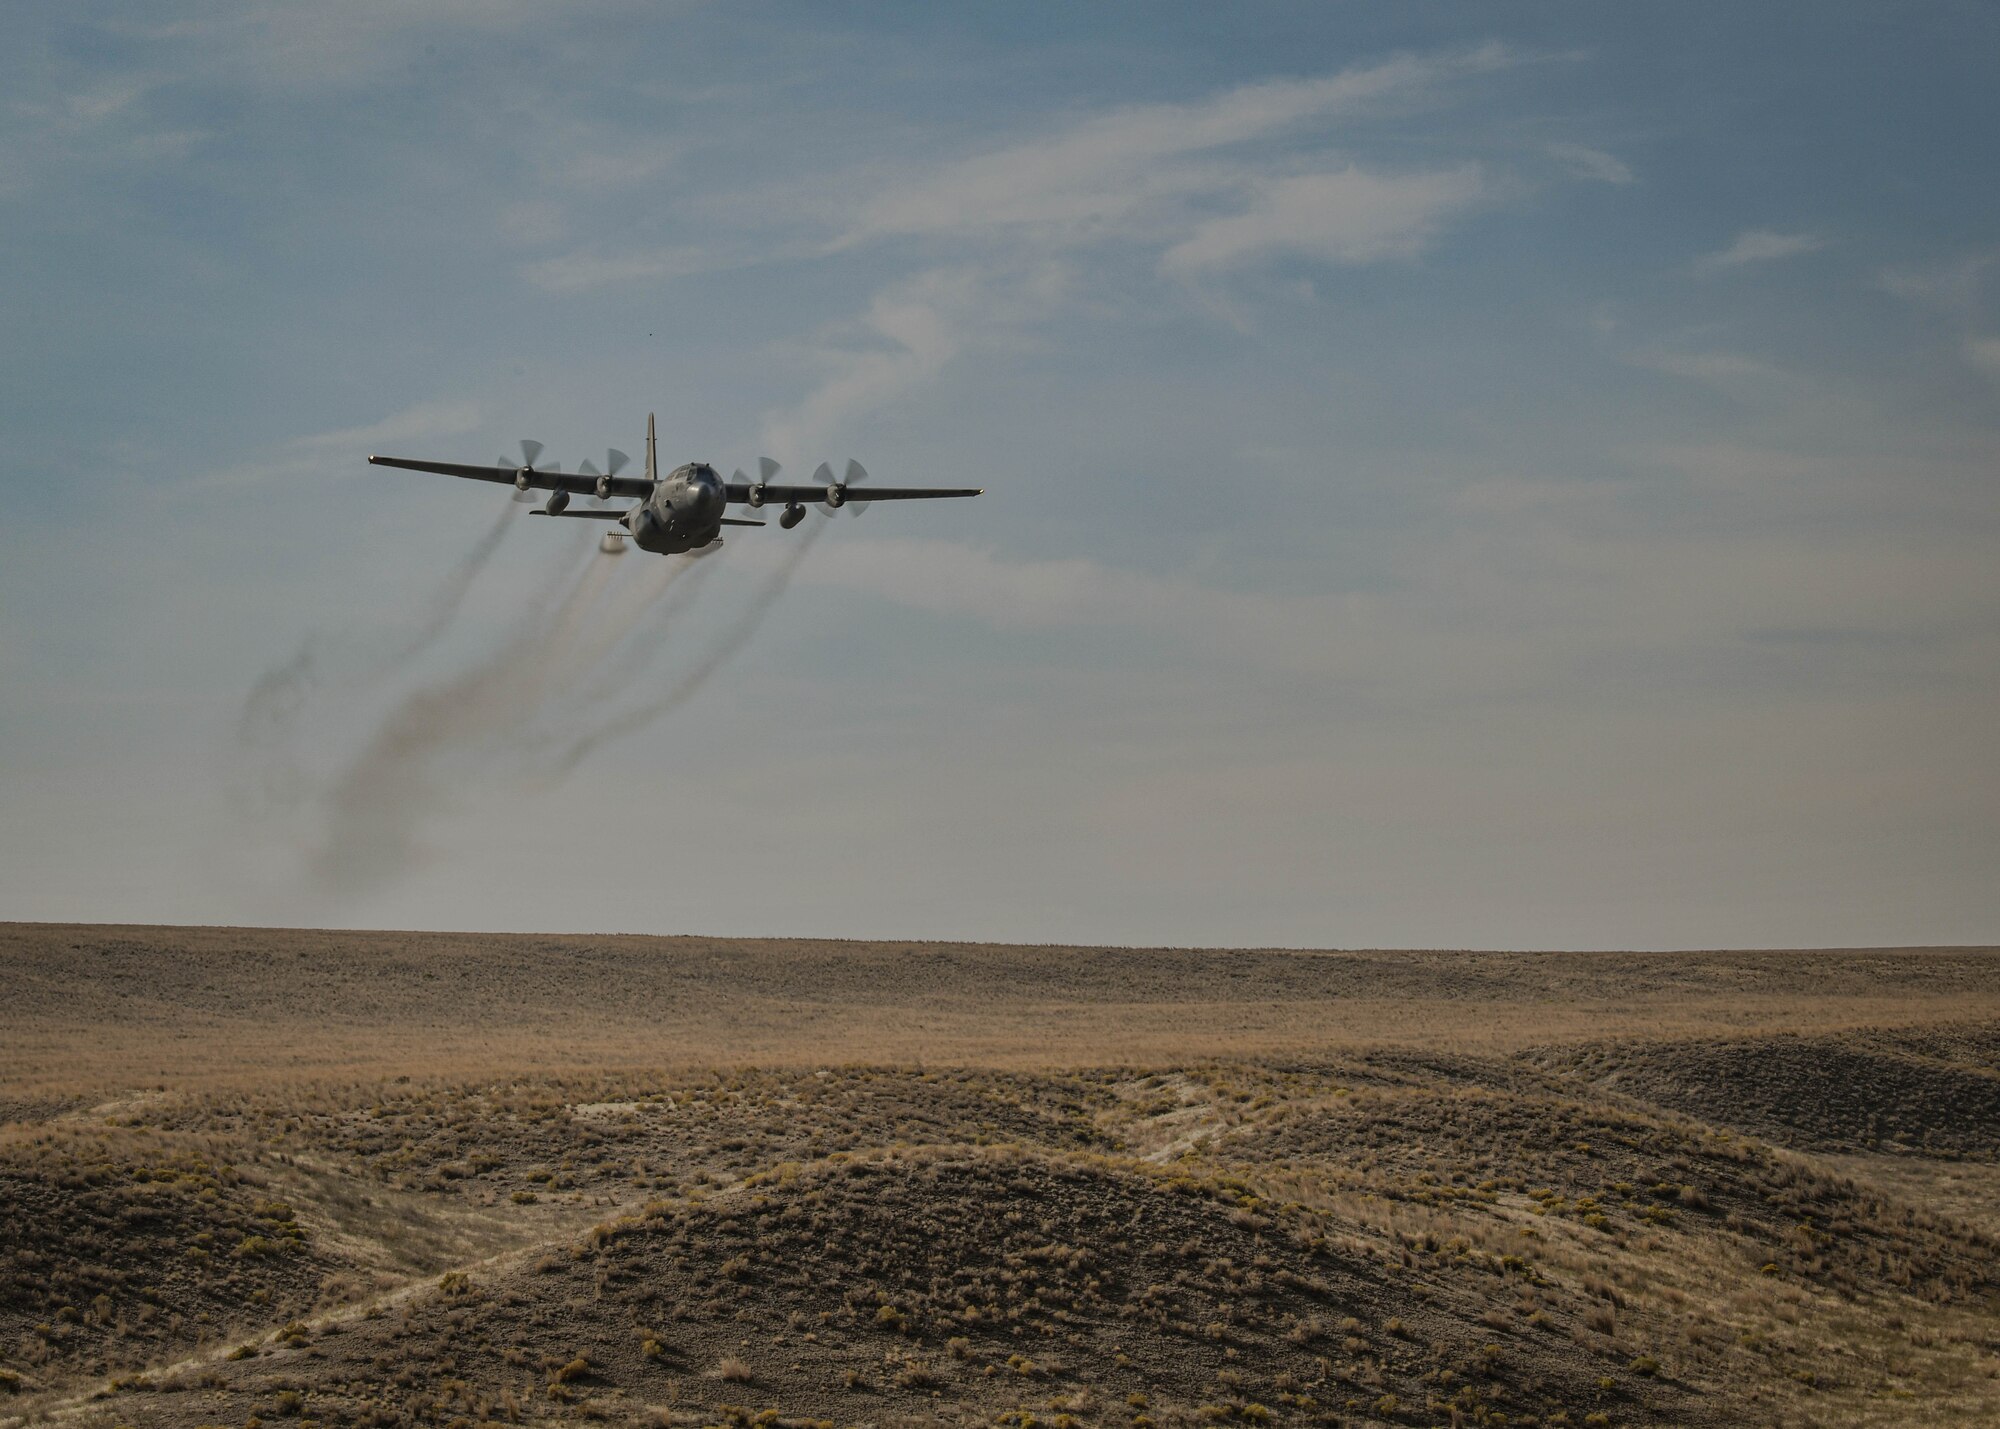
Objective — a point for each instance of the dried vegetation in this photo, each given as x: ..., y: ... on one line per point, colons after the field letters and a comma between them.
x: 1602, y: 1230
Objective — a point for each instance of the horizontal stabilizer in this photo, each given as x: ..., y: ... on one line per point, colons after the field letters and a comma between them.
x: 585, y: 514
x: 739, y: 521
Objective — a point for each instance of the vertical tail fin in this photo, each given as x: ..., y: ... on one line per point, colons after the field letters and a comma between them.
x: 652, y: 455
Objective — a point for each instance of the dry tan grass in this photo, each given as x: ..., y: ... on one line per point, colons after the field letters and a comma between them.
x: 207, y: 1006
x: 376, y: 1179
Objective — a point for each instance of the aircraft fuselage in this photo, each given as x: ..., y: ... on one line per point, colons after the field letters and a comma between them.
x: 684, y: 513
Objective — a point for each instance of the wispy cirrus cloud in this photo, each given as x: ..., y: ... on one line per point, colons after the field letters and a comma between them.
x: 1158, y: 175
x: 1984, y: 354
x: 308, y: 455
x: 1733, y: 373
x: 1346, y: 216
x: 1953, y: 286
x: 1491, y: 598
x: 1588, y: 163
x: 580, y: 271
x: 910, y: 331
x: 274, y: 43
x: 1139, y: 165
x: 1204, y: 188
x: 1759, y: 245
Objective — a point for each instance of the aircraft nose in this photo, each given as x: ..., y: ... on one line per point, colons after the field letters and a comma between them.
x: 714, y: 500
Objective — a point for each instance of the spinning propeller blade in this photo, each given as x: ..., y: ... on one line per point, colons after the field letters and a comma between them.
x: 521, y: 497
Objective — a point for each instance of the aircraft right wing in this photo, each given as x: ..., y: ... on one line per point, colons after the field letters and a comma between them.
x: 739, y: 492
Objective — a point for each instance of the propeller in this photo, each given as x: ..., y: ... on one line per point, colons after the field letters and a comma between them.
x: 531, y: 452
x: 766, y: 469
x: 854, y: 476
x: 520, y: 496
x: 615, y: 462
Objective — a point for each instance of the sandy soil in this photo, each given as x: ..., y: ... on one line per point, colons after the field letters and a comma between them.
x: 256, y: 1176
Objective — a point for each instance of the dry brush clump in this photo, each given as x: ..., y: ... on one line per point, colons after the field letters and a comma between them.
x: 1934, y: 1094
x: 1625, y: 1173
x: 594, y: 1138
x: 1004, y: 1280
x: 116, y: 1245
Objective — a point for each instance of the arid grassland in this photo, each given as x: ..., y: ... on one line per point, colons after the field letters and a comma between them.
x: 274, y: 1178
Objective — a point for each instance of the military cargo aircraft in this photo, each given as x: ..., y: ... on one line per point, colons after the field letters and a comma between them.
x: 684, y: 511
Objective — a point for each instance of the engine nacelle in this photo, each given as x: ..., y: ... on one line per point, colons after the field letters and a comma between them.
x: 557, y: 501
x: 836, y: 495
x: 755, y: 496
x: 521, y: 479
x: 791, y: 516
x: 603, y: 488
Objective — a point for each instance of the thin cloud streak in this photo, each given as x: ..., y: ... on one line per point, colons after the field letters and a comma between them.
x: 1086, y: 183
x: 1346, y: 216
x: 310, y: 455
x: 1588, y: 163
x: 1759, y: 245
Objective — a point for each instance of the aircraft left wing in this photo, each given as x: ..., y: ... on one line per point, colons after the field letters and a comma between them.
x: 572, y: 481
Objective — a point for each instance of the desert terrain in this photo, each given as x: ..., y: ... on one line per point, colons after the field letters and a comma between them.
x: 257, y: 1177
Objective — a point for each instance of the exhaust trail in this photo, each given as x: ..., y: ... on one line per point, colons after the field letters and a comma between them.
x: 444, y: 604
x: 377, y: 806
x: 581, y: 641
x: 619, y: 675
x: 734, y: 638
x: 627, y: 609
x: 268, y: 773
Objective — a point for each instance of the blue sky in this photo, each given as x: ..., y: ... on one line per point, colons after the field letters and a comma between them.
x: 1457, y: 474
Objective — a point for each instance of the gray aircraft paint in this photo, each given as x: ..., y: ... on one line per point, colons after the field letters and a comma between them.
x: 683, y: 512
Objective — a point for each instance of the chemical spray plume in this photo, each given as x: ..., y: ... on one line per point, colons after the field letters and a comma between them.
x: 376, y: 806
x: 734, y: 638
x: 443, y: 606
x: 624, y: 611
x: 267, y: 774
x: 581, y: 642
x: 616, y: 676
